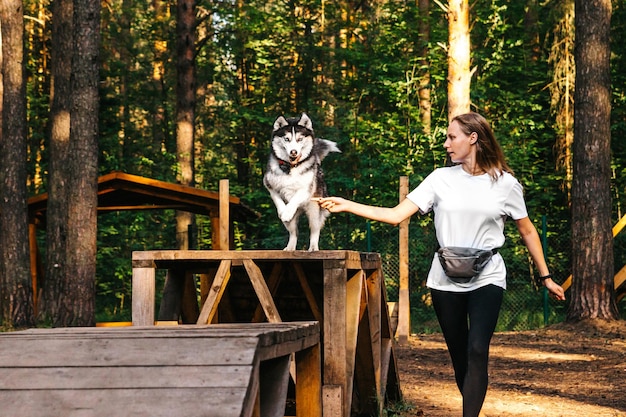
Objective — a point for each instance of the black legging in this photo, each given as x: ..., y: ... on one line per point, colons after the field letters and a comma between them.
x: 468, y: 320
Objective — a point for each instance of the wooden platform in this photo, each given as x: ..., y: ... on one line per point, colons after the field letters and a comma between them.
x: 183, y: 371
x: 343, y: 290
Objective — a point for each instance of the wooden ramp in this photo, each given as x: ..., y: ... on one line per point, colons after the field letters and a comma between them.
x: 176, y: 371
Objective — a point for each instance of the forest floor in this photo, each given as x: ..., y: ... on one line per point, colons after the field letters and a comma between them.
x: 560, y: 371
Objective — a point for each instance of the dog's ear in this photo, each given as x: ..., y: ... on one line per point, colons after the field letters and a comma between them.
x: 305, y: 122
x: 280, y: 122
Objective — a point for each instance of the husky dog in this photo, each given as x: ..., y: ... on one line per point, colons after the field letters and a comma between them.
x: 294, y: 176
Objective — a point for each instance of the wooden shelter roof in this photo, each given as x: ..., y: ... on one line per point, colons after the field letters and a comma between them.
x: 121, y: 191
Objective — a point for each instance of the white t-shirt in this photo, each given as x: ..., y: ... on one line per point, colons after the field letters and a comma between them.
x: 469, y: 212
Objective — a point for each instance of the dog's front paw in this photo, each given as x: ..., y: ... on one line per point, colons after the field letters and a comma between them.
x: 287, y: 214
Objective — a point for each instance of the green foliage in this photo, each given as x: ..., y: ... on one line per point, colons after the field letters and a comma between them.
x: 356, y: 69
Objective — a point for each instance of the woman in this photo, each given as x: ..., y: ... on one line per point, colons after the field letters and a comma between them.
x: 470, y: 201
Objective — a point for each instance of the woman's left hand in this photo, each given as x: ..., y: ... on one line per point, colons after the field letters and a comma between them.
x: 556, y: 291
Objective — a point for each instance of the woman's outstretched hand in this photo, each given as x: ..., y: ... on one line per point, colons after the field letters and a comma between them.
x: 332, y: 204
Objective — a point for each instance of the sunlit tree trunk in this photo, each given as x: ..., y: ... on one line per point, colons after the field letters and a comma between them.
x: 459, y: 74
x: 185, y: 108
x: 246, y: 87
x: 160, y: 116
x: 424, y: 89
x: 78, y: 292
x: 562, y: 89
x: 592, y: 239
x: 58, y: 173
x: 16, y: 297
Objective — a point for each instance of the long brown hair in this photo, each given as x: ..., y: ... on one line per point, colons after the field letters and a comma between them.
x: 489, y: 155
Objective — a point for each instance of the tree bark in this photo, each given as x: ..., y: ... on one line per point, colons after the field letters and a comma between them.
x: 593, y: 295
x: 424, y: 90
x: 185, y: 108
x: 77, y: 306
x: 563, y: 65
x: 58, y: 173
x: 16, y: 286
x: 459, y: 74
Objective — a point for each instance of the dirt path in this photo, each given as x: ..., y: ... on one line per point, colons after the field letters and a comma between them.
x: 576, y: 370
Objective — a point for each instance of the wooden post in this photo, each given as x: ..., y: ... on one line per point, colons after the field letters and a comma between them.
x: 404, y: 309
x: 143, y: 284
x: 224, y: 221
x: 335, y: 402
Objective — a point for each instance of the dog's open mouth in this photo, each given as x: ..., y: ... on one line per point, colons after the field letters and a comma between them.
x: 294, y: 159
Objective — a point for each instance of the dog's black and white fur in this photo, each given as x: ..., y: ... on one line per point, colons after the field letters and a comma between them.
x: 294, y: 176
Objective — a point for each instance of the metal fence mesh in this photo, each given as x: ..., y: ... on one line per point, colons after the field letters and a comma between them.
x: 524, y: 307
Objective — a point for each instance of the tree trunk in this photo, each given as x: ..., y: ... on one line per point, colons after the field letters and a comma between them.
x: 424, y: 90
x: 185, y: 111
x: 592, y: 254
x: 16, y: 286
x: 562, y: 89
x: 78, y: 291
x: 459, y: 74
x: 58, y: 172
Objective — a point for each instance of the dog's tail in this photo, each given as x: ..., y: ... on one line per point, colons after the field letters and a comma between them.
x: 324, y: 147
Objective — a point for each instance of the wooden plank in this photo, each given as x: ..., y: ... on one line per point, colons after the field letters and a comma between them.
x: 261, y: 290
x: 215, y: 293
x: 167, y: 402
x: 124, y: 377
x: 143, y: 290
x: 217, y: 255
x: 127, y: 352
x: 266, y: 332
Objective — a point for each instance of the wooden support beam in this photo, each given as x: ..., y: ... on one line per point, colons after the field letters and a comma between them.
x: 264, y: 294
x: 224, y: 222
x: 209, y: 309
x: 309, y: 386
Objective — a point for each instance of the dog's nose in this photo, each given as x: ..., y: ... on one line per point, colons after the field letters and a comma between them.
x: 293, y: 152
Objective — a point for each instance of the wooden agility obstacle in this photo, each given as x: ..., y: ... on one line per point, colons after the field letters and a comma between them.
x: 226, y: 370
x: 342, y: 290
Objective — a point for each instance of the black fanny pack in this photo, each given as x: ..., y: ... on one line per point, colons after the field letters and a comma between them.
x: 463, y: 264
